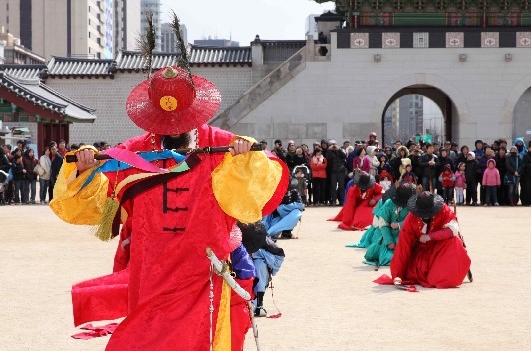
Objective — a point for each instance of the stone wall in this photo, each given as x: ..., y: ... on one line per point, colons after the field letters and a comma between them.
x: 344, y: 99
x: 108, y: 97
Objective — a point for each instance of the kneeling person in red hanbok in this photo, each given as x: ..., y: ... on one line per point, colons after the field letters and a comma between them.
x: 356, y: 214
x: 430, y: 251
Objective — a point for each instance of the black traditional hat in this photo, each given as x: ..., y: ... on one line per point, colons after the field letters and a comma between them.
x: 401, y: 195
x: 365, y: 181
x: 425, y: 205
x: 388, y: 193
x: 253, y: 235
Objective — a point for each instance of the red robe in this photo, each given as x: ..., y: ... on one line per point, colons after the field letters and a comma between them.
x: 162, y: 272
x: 434, y: 264
x: 356, y: 214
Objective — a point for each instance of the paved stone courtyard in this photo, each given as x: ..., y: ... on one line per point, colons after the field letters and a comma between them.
x: 325, y: 294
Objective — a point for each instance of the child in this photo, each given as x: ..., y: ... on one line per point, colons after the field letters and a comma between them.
x: 385, y: 179
x: 447, y: 179
x: 402, y: 168
x: 491, y: 182
x: 460, y: 183
x: 409, y: 176
x: 302, y: 186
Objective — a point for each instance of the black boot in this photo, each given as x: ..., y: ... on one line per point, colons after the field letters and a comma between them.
x: 259, y: 311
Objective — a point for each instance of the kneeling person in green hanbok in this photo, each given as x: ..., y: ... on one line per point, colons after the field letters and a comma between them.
x: 391, y: 216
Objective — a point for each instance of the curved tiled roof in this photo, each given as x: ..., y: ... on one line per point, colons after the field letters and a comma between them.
x: 34, y: 91
x: 22, y: 71
x: 220, y: 55
x: 65, y: 66
x: 133, y: 60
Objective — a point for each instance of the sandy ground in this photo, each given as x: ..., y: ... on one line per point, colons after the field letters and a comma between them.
x: 325, y: 294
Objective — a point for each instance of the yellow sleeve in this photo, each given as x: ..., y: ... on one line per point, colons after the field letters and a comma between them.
x: 73, y: 204
x: 243, y: 184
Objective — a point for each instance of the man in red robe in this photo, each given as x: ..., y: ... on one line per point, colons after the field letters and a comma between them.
x: 361, y: 198
x: 430, y: 251
x: 162, y: 281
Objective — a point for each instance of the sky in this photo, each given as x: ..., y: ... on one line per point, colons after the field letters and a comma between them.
x: 242, y: 20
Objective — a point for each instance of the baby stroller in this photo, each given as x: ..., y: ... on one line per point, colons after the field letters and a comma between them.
x: 3, y: 187
x: 304, y: 181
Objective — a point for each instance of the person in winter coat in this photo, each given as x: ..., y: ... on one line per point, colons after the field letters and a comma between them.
x: 30, y: 183
x: 361, y: 163
x: 401, y: 153
x: 44, y: 180
x: 526, y: 177
x: 500, y: 159
x: 409, y: 176
x: 491, y: 182
x: 19, y: 174
x: 471, y: 176
x: 489, y: 154
x: 520, y: 146
x: 318, y: 167
x: 373, y: 160
x: 428, y: 163
x: 336, y: 164
x: 447, y: 179
x: 512, y: 177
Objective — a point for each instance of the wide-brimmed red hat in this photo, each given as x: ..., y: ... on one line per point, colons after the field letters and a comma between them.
x: 171, y: 103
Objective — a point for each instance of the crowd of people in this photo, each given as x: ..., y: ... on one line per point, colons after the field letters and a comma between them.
x: 21, y: 170
x: 495, y: 174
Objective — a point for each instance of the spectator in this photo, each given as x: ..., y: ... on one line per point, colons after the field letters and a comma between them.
x: 30, y: 182
x: 428, y: 164
x: 373, y: 160
x: 512, y: 177
x: 318, y: 167
x: 491, y: 182
x: 55, y: 168
x: 463, y: 155
x: 44, y: 180
x: 336, y: 164
x: 520, y: 146
x: 447, y: 179
x: 263, y: 143
x: 479, y: 152
x: 526, y: 177
x: 460, y: 184
x: 278, y: 151
x: 501, y: 165
x: 401, y: 153
x: 19, y: 174
x: 472, y: 172
x: 61, y: 148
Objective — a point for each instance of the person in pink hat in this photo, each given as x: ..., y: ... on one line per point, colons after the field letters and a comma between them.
x: 171, y: 209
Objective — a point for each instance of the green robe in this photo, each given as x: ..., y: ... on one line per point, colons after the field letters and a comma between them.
x: 384, y: 234
x: 367, y: 237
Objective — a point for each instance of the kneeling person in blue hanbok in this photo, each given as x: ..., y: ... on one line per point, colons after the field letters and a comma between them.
x: 267, y: 261
x: 391, y: 216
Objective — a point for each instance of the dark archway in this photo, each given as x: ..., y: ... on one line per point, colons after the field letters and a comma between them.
x: 522, y: 116
x: 416, y: 123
